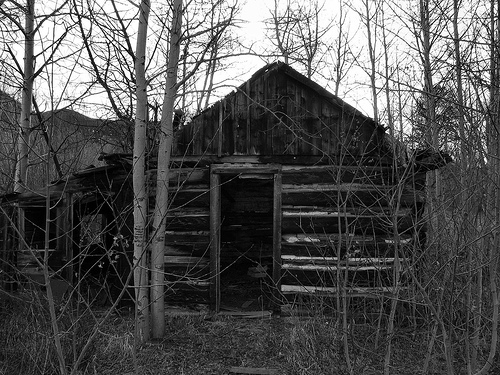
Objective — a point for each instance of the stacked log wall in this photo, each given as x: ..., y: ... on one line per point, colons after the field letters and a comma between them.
x: 346, y: 220
x: 341, y: 228
x: 187, y: 236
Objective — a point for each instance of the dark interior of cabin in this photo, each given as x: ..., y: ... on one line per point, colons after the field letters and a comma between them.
x: 100, y: 259
x: 246, y: 241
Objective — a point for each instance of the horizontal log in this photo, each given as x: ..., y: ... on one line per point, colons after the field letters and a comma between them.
x: 175, y: 273
x: 335, y: 238
x: 189, y: 198
x: 189, y: 283
x: 333, y: 198
x: 352, y: 291
x: 353, y: 224
x: 190, y: 261
x: 36, y: 252
x: 207, y: 159
x: 331, y: 174
x: 363, y: 199
x: 332, y: 268
x: 181, y: 223
x: 179, y: 176
x: 187, y: 212
x: 196, y: 250
x: 247, y: 168
x: 304, y: 211
x: 350, y: 261
x: 187, y: 236
x: 343, y: 238
x: 198, y: 189
x: 343, y: 187
x: 335, y: 167
x: 308, y: 250
x: 356, y: 276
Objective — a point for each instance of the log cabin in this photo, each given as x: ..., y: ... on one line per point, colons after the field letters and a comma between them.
x: 279, y: 190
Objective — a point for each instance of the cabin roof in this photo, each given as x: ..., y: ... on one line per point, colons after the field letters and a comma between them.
x: 85, y: 180
x: 289, y: 71
x: 281, y: 67
x: 279, y: 111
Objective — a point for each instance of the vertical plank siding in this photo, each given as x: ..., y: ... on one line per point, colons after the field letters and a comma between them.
x: 276, y: 114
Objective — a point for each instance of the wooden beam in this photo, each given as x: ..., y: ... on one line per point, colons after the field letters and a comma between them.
x: 277, y: 215
x: 250, y: 107
x: 334, y: 168
x: 219, y: 130
x: 350, y: 187
x: 333, y: 268
x: 322, y: 290
x: 215, y: 223
x: 245, y: 168
x: 350, y: 261
x: 328, y: 238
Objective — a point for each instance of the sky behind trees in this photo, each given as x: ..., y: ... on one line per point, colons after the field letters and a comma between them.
x: 250, y: 28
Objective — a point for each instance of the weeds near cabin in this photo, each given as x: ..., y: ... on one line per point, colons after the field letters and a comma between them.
x: 27, y: 337
x: 314, y: 345
x: 200, y: 345
x: 27, y: 341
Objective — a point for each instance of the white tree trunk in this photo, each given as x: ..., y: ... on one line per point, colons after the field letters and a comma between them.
x: 139, y: 180
x: 164, y: 151
x: 25, y: 119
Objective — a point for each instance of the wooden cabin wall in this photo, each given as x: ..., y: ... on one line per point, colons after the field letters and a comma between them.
x: 246, y: 232
x: 276, y: 115
x: 343, y: 219
x: 187, y: 237
x: 8, y: 254
x: 246, y: 228
x: 335, y: 218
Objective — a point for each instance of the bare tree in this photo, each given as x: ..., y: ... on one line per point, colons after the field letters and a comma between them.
x: 299, y: 33
x: 139, y: 179
x: 25, y: 118
x: 341, y: 51
x: 165, y: 148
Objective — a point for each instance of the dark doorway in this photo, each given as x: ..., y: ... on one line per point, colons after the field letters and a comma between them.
x: 246, y: 253
x: 245, y: 235
x: 98, y: 252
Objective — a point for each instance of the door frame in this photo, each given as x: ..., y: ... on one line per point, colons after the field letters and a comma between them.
x: 216, y: 170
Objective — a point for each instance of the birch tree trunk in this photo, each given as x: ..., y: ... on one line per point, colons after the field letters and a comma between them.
x: 493, y: 144
x: 139, y: 180
x: 161, y: 203
x: 433, y: 180
x: 371, y: 53
x: 25, y: 119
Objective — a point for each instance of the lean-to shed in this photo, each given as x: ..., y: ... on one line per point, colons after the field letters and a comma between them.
x: 277, y: 190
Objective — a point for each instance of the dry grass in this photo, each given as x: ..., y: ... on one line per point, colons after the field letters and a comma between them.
x: 295, y: 346
x: 198, y: 345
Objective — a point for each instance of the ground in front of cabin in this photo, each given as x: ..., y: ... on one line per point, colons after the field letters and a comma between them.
x: 202, y: 344
x: 286, y: 345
